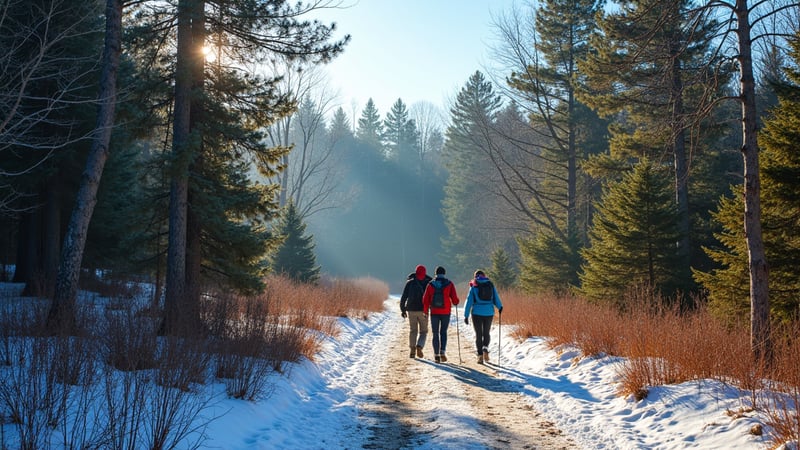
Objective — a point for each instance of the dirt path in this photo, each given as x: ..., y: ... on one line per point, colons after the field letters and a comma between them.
x: 417, y: 403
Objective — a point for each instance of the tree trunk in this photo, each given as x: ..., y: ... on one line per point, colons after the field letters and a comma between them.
x: 61, y: 315
x: 175, y: 291
x: 679, y: 151
x: 194, y: 226
x: 760, y: 340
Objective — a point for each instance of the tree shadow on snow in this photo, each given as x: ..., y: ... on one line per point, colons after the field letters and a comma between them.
x: 499, y: 378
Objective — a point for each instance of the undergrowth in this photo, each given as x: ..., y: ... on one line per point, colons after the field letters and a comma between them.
x: 120, y: 383
x: 660, y: 344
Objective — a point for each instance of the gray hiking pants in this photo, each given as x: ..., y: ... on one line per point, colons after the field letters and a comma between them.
x: 419, y: 329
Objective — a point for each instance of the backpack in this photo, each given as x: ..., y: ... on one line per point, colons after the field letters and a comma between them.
x: 486, y: 291
x: 438, y: 295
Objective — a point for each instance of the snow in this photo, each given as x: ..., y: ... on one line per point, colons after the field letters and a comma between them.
x: 320, y: 404
x: 317, y: 405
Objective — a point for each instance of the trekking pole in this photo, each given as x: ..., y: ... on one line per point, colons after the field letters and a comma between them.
x: 458, y: 338
x: 499, y: 334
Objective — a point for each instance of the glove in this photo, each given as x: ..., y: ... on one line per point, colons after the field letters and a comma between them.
x: 466, y: 320
x: 404, y: 314
x: 500, y: 310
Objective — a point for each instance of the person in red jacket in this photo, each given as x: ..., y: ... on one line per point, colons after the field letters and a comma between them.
x: 411, y: 307
x: 440, y: 295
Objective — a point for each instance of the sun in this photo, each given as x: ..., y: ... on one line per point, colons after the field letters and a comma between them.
x: 209, y: 54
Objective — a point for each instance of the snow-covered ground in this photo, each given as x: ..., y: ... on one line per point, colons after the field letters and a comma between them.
x: 340, y: 400
x: 317, y: 405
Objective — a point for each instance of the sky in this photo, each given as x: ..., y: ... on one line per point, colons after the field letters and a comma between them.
x: 324, y: 404
x: 415, y: 50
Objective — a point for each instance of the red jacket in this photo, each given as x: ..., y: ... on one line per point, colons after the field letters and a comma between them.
x: 449, y: 292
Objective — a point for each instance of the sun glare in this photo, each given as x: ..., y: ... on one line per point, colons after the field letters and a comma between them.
x: 209, y: 54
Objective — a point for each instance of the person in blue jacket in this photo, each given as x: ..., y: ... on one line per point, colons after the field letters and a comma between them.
x: 481, y: 302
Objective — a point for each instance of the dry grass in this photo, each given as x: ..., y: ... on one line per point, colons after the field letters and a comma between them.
x: 782, y: 404
x: 662, y: 345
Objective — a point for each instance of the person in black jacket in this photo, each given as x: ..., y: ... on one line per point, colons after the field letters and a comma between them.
x: 411, y: 307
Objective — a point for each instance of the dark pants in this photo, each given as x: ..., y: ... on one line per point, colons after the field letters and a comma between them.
x: 439, y: 324
x: 482, y: 325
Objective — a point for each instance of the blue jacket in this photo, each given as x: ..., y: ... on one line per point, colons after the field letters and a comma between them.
x: 479, y: 307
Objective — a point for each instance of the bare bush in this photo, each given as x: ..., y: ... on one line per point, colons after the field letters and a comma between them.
x: 248, y: 342
x: 138, y: 413
x: 130, y: 340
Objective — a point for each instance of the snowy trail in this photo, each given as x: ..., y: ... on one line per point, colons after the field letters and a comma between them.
x: 365, y: 392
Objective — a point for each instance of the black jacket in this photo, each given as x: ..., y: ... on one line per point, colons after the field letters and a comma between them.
x: 411, y: 300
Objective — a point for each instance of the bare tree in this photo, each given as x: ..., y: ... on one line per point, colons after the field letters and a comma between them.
x: 538, y: 167
x: 430, y: 123
x: 61, y: 314
x: 311, y: 171
x: 30, y: 52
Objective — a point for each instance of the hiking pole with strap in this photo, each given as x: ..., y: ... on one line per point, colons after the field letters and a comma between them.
x: 458, y: 338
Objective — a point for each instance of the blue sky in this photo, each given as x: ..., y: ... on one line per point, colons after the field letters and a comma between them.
x: 411, y: 49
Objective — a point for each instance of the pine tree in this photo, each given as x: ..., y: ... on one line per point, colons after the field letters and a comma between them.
x: 295, y: 256
x: 646, y: 71
x: 633, y: 239
x: 400, y: 134
x: 503, y: 273
x: 476, y: 106
x: 728, y: 286
x: 370, y: 127
x: 219, y: 114
x: 549, y: 264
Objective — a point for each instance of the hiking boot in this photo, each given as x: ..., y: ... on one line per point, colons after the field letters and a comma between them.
x: 480, y: 359
x: 413, y: 354
x: 443, y: 358
x: 419, y: 352
x: 486, y: 356
x: 438, y: 359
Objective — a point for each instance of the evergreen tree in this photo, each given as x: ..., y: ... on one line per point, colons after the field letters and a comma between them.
x: 340, y: 128
x: 728, y: 287
x: 370, y: 127
x: 218, y: 116
x: 295, y: 256
x: 647, y: 72
x: 633, y: 238
x: 503, y: 273
x: 465, y: 244
x: 400, y: 134
x: 549, y: 264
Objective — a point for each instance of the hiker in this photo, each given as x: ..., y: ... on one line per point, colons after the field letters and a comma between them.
x: 411, y: 307
x: 439, y: 296
x: 481, y: 301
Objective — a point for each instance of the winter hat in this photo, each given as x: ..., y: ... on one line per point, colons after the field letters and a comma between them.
x: 421, y: 272
x: 479, y: 274
x: 440, y: 270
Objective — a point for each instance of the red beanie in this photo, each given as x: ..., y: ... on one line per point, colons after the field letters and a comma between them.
x: 421, y: 272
